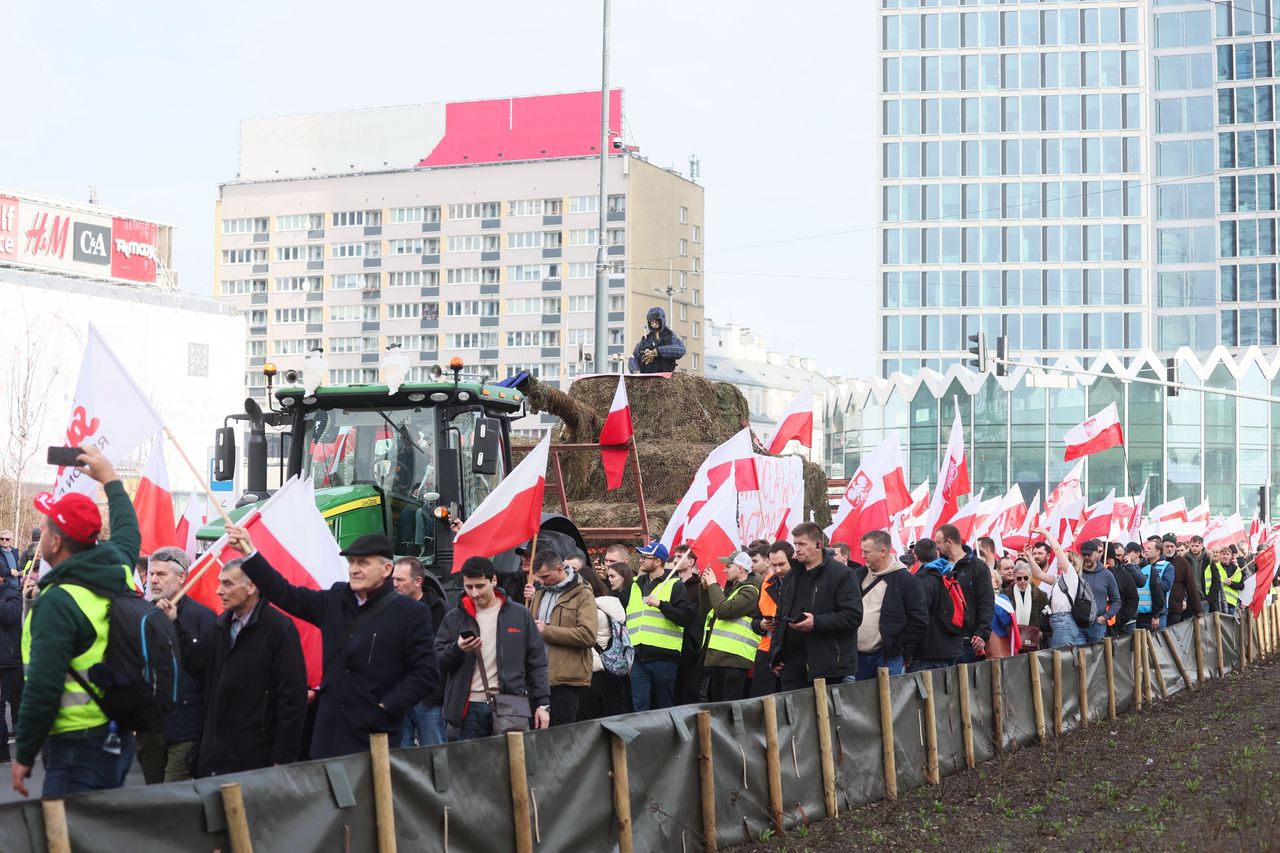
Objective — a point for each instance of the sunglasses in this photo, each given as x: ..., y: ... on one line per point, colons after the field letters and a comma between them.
x: 1023, y: 578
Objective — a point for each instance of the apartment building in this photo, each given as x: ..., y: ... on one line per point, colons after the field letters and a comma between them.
x: 463, y: 229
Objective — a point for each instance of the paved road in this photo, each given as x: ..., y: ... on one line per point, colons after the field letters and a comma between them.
x: 8, y: 795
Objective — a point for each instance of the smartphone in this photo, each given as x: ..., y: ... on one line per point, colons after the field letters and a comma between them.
x: 468, y: 634
x: 64, y: 456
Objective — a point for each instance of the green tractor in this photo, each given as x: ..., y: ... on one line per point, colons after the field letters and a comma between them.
x: 403, y: 463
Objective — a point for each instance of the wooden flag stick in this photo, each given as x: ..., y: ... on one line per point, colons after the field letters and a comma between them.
x: 199, y: 475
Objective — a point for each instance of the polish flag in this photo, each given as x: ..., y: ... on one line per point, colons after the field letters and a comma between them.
x: 953, y: 481
x: 193, y: 518
x: 1255, y: 528
x: 510, y: 515
x: 903, y: 525
x: 1096, y: 522
x: 1006, y: 518
x: 1175, y: 510
x: 735, y: 458
x: 863, y: 506
x: 1235, y: 526
x: 795, y: 424
x: 294, y: 538
x: 1017, y: 540
x: 1134, y: 527
x: 153, y: 503
x: 713, y: 533
x: 1068, y: 490
x: 1258, y: 584
x: 889, y: 458
x: 966, y: 517
x: 1098, y: 433
x: 982, y: 516
x: 1217, y: 535
x: 615, y: 435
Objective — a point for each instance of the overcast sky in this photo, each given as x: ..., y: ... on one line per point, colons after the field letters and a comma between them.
x: 143, y: 101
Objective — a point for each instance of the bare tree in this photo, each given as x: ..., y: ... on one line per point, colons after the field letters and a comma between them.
x: 31, y: 376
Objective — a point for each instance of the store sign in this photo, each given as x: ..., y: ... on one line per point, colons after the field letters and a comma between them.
x: 78, y: 242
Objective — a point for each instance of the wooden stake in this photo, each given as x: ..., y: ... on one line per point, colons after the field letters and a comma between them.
x: 1217, y: 644
x: 1147, y: 678
x: 1037, y: 698
x: 822, y: 711
x: 56, y: 835
x: 519, y: 792
x: 1057, y: 693
x: 1082, y: 682
x: 772, y: 762
x: 931, y: 775
x: 384, y: 799
x: 621, y: 792
x: 1177, y: 660
x: 886, y: 736
x: 1244, y: 639
x: 1198, y: 631
x: 966, y: 719
x: 997, y: 705
x: 707, y: 780
x: 1108, y: 660
x: 1137, y: 670
x: 237, y: 820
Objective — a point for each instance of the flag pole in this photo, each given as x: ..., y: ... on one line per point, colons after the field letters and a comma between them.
x: 199, y: 475
x: 191, y: 581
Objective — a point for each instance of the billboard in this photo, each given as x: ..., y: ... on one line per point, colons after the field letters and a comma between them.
x: 76, y: 240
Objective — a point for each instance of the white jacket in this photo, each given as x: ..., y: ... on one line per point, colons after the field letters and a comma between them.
x: 607, y: 607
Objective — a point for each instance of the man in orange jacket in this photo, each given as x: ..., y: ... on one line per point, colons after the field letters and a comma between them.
x: 763, y: 679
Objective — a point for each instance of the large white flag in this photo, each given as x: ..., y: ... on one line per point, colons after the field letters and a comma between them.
x: 109, y: 412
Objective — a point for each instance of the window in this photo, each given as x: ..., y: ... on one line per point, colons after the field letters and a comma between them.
x: 617, y: 204
x: 617, y: 236
x: 354, y: 281
x: 250, y: 225
x: 353, y: 376
x: 524, y: 240
x: 548, y: 338
x: 463, y: 275
x: 300, y: 253
x: 298, y: 284
x: 402, y: 215
x: 583, y: 237
x: 697, y: 330
x: 584, y: 204
x: 534, y: 305
x: 353, y: 344
x: 472, y: 308
x: 475, y: 210
x: 414, y: 343
x: 684, y: 311
x: 346, y: 250
x: 696, y: 296
x: 295, y: 346
x: 582, y: 269
x: 297, y: 315
x: 529, y: 272
x: 244, y: 286
x: 413, y: 278
x: 580, y: 337
x: 351, y: 218
x: 684, y: 246
x: 244, y: 256
x: 582, y: 304
x: 404, y: 310
x: 350, y: 313
x: 684, y: 215
x: 697, y: 233
x: 413, y: 246
x: 697, y: 266
x: 525, y: 207
x: 300, y: 222
x: 472, y: 340
x: 257, y: 317
x: 255, y: 348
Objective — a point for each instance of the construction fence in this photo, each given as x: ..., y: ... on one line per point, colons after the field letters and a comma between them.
x: 688, y: 778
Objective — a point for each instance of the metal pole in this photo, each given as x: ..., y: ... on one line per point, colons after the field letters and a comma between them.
x: 602, y: 270
x: 1181, y: 386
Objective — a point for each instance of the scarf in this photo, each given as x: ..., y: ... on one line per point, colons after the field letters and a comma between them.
x: 551, y: 594
x: 1022, y: 604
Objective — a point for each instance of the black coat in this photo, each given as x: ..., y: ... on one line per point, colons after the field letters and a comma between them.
x: 939, y: 641
x: 1128, y: 596
x: 376, y: 674
x: 10, y: 623
x: 185, y: 721
x: 256, y: 692
x: 903, y: 615
x: 979, y: 597
x: 830, y: 592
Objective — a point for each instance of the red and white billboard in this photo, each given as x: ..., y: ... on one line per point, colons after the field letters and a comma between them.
x: 133, y: 250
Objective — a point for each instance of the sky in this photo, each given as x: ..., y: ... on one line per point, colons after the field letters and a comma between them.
x: 143, y: 100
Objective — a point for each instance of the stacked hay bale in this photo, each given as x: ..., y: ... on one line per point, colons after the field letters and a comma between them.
x: 678, y: 421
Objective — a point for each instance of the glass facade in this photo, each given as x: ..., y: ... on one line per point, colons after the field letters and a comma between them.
x: 1196, y: 445
x: 1077, y: 175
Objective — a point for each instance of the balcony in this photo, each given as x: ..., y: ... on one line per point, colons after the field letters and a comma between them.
x: 488, y: 321
x: 617, y: 281
x: 315, y: 265
x: 369, y: 358
x: 257, y: 330
x: 552, y: 253
x: 370, y: 294
x: 260, y: 269
x: 551, y: 352
x: 557, y: 219
x: 429, y: 292
x: 429, y: 355
x: 551, y: 319
x: 315, y: 296
x: 487, y: 257
x: 619, y: 249
x: 257, y: 360
x: 490, y: 288
x: 617, y: 316
x: 616, y: 216
x: 373, y: 231
x: 315, y: 234
x: 430, y: 259
x: 551, y: 285
x: 259, y: 298
x: 489, y: 355
x: 315, y: 328
x: 431, y: 228
x: 372, y: 263
x: 430, y: 323
x: 370, y: 325
x: 490, y: 223
x: 261, y: 237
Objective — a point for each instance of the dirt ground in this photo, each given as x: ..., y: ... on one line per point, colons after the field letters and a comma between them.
x: 1198, y: 772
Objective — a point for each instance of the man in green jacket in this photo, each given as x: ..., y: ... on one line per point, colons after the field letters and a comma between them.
x: 729, y: 644
x: 65, y: 631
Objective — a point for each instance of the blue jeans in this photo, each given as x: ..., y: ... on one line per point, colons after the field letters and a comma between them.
x: 868, y: 664
x: 653, y: 684
x: 1065, y: 631
x: 82, y: 764
x: 922, y: 665
x: 423, y: 726
x: 477, y: 722
x: 1095, y: 632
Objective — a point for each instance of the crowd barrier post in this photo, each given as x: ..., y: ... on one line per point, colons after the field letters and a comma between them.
x: 383, y: 798
x: 1037, y: 698
x: 621, y: 792
x: 519, y: 793
x: 1198, y: 631
x: 1243, y: 630
x: 966, y: 716
x: 56, y: 835
x: 237, y: 819
x: 1177, y: 660
x: 823, y: 713
x: 773, y: 762
x: 1217, y: 631
x: 707, y: 782
x: 1057, y: 693
x: 931, y: 775
x: 997, y: 705
x: 1108, y: 661
x: 886, y: 736
x: 1082, y: 684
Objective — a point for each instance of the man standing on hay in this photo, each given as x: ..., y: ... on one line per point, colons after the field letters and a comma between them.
x: 659, y: 349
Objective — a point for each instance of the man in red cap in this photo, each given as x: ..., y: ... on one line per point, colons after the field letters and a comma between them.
x: 66, y: 631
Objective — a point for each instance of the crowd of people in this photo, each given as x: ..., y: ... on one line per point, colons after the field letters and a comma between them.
x: 562, y: 641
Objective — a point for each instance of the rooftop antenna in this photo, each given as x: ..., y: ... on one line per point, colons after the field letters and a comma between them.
x: 695, y: 167
x: 93, y: 194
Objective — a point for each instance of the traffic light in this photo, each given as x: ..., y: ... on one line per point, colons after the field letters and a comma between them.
x: 1264, y: 502
x: 1002, y: 355
x: 1171, y: 377
x: 978, y: 349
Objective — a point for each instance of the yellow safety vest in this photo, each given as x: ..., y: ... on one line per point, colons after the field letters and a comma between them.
x: 646, y: 625
x: 1230, y: 596
x: 732, y: 636
x: 77, y: 710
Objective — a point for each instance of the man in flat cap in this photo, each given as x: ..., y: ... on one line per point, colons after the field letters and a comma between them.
x: 379, y: 647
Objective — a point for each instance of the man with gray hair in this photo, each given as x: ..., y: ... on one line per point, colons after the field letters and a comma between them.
x: 10, y: 559
x: 163, y: 757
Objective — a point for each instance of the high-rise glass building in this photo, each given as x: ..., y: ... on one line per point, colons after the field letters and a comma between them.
x: 1080, y: 176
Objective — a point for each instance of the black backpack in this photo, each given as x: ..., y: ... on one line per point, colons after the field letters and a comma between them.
x: 1084, y: 610
x: 137, y: 681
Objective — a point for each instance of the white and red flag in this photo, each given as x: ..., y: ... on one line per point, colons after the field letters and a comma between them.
x: 153, y: 503
x: 615, y: 435
x: 1017, y: 540
x: 953, y: 481
x: 1258, y: 584
x: 510, y: 515
x: 735, y: 458
x: 293, y: 537
x: 1096, y: 522
x: 796, y: 423
x: 904, y: 525
x: 1006, y: 518
x: 193, y: 518
x: 1217, y: 535
x: 966, y: 517
x: 713, y: 533
x: 1071, y: 489
x: 1098, y: 433
x: 863, y: 506
x: 108, y: 411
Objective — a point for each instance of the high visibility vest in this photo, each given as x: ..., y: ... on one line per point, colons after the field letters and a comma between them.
x: 1231, y: 597
x: 1145, y: 604
x: 76, y: 709
x: 646, y: 625
x: 732, y: 636
x: 768, y: 609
